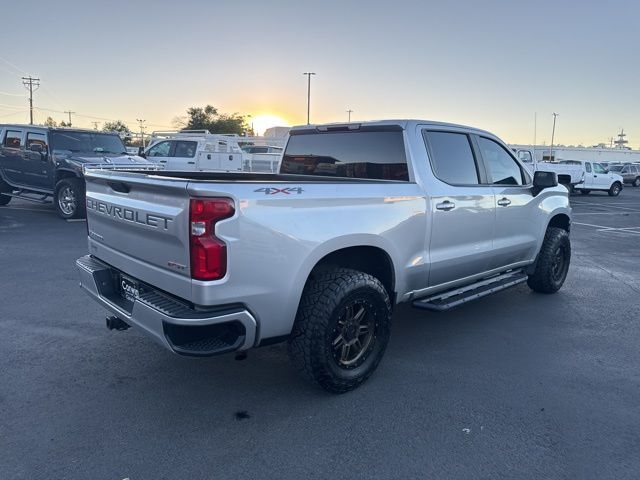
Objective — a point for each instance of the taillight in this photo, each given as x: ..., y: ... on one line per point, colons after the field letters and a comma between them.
x: 208, y: 253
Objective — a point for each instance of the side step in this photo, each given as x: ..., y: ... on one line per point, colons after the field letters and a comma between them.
x: 27, y: 196
x: 452, y: 298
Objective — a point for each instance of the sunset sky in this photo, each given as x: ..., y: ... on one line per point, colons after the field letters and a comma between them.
x: 490, y: 64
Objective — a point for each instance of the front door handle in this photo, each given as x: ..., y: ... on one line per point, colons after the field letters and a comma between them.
x: 446, y: 206
x: 503, y: 202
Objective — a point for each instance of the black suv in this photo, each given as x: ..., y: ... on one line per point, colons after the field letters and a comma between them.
x: 41, y: 162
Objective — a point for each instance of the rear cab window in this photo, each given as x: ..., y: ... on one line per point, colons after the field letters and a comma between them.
x: 452, y: 158
x: 376, y: 154
x: 12, y: 139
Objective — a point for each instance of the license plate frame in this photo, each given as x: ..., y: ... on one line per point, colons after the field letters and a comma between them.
x: 128, y: 288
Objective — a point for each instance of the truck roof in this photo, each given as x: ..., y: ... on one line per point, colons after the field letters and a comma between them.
x: 62, y: 129
x: 402, y: 123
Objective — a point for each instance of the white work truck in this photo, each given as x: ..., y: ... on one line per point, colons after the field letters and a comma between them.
x: 201, y: 151
x: 568, y: 175
x: 576, y: 175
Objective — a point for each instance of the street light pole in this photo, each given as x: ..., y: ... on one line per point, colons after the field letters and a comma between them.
x: 349, y: 112
x: 308, y: 74
x: 553, y: 132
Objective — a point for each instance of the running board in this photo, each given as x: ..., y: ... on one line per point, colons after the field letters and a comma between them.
x: 24, y: 196
x: 452, y: 298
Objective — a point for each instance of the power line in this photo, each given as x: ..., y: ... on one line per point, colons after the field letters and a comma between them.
x: 22, y: 72
x: 13, y: 94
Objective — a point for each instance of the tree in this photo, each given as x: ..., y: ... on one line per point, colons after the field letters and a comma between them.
x: 50, y: 122
x: 63, y: 124
x: 120, y: 127
x: 208, y: 118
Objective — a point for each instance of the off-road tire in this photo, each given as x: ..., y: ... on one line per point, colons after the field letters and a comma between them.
x: 549, y: 276
x: 585, y: 192
x: 76, y: 187
x: 636, y: 182
x: 327, y: 295
x: 4, y: 188
x: 615, y: 189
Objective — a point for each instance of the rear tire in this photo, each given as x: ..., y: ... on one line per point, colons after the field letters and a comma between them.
x: 4, y: 188
x: 636, y: 182
x: 69, y: 198
x: 585, y: 192
x: 341, y: 329
x: 615, y: 189
x: 553, y: 261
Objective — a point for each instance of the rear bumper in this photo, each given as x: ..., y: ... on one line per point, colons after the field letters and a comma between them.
x: 176, y: 325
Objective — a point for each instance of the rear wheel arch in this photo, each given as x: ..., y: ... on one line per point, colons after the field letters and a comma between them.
x: 374, y: 261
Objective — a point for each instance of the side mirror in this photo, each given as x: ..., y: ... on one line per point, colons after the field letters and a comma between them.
x: 542, y: 180
x: 36, y: 147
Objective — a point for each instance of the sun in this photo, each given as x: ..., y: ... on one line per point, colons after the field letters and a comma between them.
x: 261, y: 122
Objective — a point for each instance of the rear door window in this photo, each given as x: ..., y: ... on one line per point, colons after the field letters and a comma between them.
x: 12, y: 139
x: 376, y: 155
x: 502, y: 167
x: 185, y: 149
x: 587, y: 167
x: 452, y: 158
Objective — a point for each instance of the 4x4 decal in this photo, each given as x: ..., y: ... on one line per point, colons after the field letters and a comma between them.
x: 275, y: 191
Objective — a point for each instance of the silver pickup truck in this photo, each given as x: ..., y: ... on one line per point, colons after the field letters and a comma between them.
x: 360, y: 217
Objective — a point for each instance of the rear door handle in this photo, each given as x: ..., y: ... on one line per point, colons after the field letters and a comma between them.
x: 503, y: 202
x: 446, y: 206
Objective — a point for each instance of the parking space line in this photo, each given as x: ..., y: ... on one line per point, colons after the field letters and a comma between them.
x: 605, y: 213
x: 606, y: 206
x: 27, y: 209
x: 601, y: 228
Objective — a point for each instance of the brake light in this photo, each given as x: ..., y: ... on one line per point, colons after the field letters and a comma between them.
x: 208, y: 253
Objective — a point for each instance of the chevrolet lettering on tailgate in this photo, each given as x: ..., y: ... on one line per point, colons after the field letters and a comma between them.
x: 128, y: 214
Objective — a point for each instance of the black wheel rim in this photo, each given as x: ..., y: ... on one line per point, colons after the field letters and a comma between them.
x: 353, y: 337
x: 559, y: 264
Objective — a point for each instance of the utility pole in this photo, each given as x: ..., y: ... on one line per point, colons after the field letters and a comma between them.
x: 69, y: 112
x: 141, y: 122
x: 95, y: 125
x: 308, y: 74
x: 553, y: 132
x: 30, y: 82
x: 349, y: 112
x: 535, y: 132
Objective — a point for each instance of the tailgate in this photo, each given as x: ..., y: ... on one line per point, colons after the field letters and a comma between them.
x: 139, y: 224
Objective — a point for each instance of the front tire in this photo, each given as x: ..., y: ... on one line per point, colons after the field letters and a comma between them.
x: 553, y: 261
x: 69, y: 198
x: 615, y: 189
x: 341, y: 329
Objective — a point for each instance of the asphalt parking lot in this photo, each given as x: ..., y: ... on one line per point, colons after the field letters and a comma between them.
x: 518, y: 385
